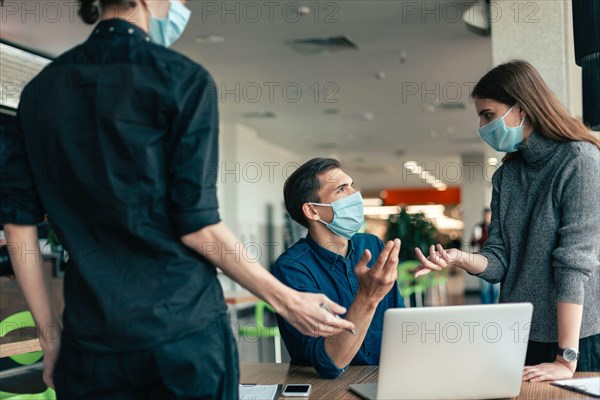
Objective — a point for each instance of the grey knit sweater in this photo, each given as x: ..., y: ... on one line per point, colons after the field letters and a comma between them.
x: 544, y: 238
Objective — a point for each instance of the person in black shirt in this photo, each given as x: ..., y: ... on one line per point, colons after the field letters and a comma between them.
x: 117, y: 142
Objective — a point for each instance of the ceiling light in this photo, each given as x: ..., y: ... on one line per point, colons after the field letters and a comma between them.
x: 492, y: 161
x: 412, y: 167
x: 304, y: 10
x: 445, y: 106
x: 382, y: 211
x: 322, y: 45
x: 368, y: 116
x: 446, y: 223
x: 477, y: 18
x: 436, y: 214
x: 325, y: 146
x: 372, y: 202
x: 260, y: 115
x: 210, y: 39
x: 403, y: 56
x: 429, y: 210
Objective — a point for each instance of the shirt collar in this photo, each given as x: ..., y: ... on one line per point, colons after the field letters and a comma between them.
x: 119, y: 27
x: 326, y: 255
x: 537, y: 148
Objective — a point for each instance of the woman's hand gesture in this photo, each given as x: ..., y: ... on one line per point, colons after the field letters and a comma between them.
x: 437, y: 260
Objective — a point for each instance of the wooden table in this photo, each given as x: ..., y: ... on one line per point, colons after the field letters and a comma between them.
x: 12, y: 348
x: 268, y: 373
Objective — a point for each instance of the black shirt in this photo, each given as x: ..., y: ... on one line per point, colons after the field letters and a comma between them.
x: 117, y: 142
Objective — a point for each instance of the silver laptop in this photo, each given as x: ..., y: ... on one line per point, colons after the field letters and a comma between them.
x: 458, y: 352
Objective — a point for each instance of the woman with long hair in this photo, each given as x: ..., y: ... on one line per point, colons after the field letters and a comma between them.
x: 544, y: 237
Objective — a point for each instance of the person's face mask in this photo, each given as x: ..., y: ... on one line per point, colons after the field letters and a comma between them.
x: 502, y: 137
x: 166, y: 31
x: 348, y: 215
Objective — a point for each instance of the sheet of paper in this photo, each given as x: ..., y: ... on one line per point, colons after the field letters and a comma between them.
x: 587, y: 385
x: 258, y: 392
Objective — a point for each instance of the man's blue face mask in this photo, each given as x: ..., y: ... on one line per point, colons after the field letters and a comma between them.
x: 166, y: 31
x: 348, y: 215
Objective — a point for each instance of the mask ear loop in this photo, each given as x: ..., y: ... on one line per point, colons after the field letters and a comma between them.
x: 508, y: 112
x: 322, y: 204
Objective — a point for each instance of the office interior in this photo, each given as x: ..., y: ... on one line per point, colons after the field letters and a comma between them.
x: 383, y: 86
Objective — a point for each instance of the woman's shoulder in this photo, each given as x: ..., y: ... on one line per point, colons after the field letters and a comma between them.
x: 580, y: 148
x: 499, y: 173
x: 579, y: 154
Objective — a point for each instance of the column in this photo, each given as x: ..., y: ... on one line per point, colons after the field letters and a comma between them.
x: 540, y: 32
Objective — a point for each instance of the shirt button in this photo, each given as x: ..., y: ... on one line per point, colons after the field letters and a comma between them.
x: 97, y: 30
x: 111, y: 29
x: 130, y: 31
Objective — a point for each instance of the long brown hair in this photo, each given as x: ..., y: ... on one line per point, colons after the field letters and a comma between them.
x: 518, y: 82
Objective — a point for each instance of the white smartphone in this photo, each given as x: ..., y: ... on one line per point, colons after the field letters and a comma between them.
x: 296, y: 390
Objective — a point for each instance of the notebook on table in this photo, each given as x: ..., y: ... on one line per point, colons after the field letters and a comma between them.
x: 589, y: 386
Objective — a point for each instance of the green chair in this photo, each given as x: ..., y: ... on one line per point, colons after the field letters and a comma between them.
x: 408, y: 285
x: 49, y: 394
x: 20, y: 320
x: 259, y: 330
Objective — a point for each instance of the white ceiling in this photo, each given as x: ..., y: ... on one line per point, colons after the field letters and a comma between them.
x: 443, y: 59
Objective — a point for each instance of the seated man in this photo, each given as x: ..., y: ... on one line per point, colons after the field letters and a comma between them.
x: 355, y: 270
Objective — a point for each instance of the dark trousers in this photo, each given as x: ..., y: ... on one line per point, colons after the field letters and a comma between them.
x: 589, y: 359
x: 203, y: 365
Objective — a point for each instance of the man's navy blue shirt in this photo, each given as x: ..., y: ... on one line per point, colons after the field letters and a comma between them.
x: 309, y: 267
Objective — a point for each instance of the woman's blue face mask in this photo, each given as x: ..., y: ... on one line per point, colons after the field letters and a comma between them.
x: 501, y: 137
x: 166, y: 31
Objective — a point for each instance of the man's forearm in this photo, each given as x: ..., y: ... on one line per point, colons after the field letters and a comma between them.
x: 303, y: 310
x: 342, y: 347
x: 26, y: 260
x: 220, y: 246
